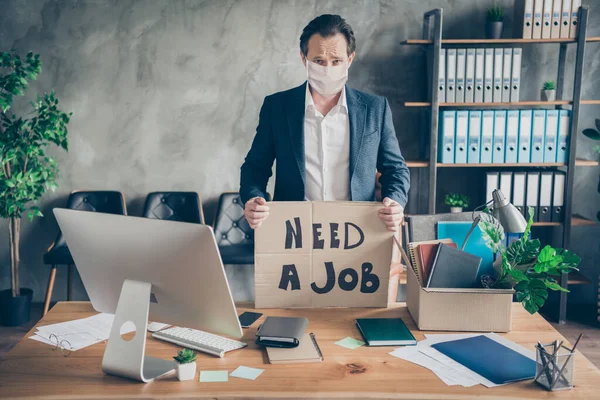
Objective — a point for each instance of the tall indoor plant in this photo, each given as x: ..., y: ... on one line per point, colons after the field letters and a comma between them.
x: 26, y: 170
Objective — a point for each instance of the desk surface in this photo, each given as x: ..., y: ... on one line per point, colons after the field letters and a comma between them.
x: 33, y: 370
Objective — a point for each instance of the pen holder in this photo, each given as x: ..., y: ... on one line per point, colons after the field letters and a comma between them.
x: 554, y: 369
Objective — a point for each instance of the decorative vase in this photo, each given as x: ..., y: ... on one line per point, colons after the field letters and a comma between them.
x: 187, y: 371
x: 493, y: 29
x: 548, y: 95
x: 15, y: 311
x: 455, y: 210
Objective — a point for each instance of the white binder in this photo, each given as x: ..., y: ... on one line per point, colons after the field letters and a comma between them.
x: 488, y: 76
x: 487, y: 136
x: 565, y: 19
x: 523, y: 18
x: 506, y: 184
x: 551, y: 136
x: 479, y: 68
x: 537, y: 136
x: 506, y: 75
x: 546, y: 19
x: 499, y: 136
x: 498, y: 53
x: 516, y: 75
x: 460, y: 75
x: 556, y: 12
x: 538, y: 8
x: 562, y: 147
x: 545, y: 206
x: 446, y: 145
x: 474, y: 144
x: 533, y: 187
x: 492, y: 183
x: 558, y: 197
x: 524, y: 155
x: 512, y: 136
x: 442, y: 77
x: 450, y: 75
x: 575, y: 4
x: 518, y: 192
x: 470, y: 76
x: 462, y: 128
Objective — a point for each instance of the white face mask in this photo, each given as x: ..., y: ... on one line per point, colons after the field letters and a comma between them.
x: 327, y: 81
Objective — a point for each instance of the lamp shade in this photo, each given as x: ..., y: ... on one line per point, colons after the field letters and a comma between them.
x: 508, y: 215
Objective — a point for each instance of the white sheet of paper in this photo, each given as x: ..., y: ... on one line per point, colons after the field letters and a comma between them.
x: 412, y: 354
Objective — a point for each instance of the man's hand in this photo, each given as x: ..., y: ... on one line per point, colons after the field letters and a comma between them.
x: 256, y: 211
x: 391, y: 214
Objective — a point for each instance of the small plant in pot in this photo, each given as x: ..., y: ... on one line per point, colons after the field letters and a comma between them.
x: 494, y: 23
x: 26, y: 171
x: 456, y: 202
x: 594, y: 134
x: 186, y: 364
x: 549, y: 91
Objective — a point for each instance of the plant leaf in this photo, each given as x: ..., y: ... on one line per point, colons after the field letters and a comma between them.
x: 597, y: 121
x: 592, y: 134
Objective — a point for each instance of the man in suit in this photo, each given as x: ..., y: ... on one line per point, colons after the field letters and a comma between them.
x: 328, y: 139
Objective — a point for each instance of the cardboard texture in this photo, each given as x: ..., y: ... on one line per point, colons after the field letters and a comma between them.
x: 322, y: 254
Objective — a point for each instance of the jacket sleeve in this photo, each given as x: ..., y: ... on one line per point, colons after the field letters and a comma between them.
x: 395, y: 175
x: 258, y: 164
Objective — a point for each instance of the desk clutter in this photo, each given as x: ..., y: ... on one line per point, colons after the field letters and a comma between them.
x: 504, y: 136
x: 479, y: 75
x: 543, y: 191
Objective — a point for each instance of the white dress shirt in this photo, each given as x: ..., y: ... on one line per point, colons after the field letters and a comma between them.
x: 327, y: 151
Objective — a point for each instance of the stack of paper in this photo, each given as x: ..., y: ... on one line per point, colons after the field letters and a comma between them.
x: 79, y: 333
x: 448, y: 370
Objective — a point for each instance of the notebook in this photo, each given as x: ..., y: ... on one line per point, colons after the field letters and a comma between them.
x: 426, y: 255
x: 414, y: 259
x: 308, y: 351
x: 490, y: 359
x: 453, y: 268
x: 281, y: 331
x: 385, y: 332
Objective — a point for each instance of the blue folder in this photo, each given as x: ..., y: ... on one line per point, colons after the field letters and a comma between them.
x: 490, y: 359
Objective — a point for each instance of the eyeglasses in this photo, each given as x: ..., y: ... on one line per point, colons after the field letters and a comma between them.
x: 65, y: 346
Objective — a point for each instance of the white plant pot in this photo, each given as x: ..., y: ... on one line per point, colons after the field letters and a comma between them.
x: 185, y: 372
x: 455, y: 210
x: 548, y: 95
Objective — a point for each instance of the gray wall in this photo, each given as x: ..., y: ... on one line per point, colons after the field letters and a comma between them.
x: 166, y: 94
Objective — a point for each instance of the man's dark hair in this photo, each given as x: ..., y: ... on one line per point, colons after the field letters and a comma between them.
x: 327, y: 25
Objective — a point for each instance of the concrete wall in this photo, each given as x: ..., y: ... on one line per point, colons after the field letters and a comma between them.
x: 166, y: 94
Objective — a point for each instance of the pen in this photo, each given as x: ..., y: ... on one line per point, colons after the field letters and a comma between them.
x: 560, y: 373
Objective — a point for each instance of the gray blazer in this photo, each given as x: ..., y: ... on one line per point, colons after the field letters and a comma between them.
x: 280, y: 136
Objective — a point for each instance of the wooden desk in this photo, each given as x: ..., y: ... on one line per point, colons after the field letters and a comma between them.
x: 33, y: 370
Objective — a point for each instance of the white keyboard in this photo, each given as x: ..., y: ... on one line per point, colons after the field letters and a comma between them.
x: 199, y: 340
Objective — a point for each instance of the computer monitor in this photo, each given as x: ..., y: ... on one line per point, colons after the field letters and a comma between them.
x: 141, y: 268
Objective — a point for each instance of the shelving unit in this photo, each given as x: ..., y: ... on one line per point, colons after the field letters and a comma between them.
x: 432, y: 37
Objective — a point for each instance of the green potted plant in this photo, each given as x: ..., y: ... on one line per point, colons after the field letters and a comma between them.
x: 524, y: 266
x: 494, y: 22
x: 26, y: 171
x: 456, y: 202
x: 549, y: 91
x: 594, y: 134
x: 186, y: 364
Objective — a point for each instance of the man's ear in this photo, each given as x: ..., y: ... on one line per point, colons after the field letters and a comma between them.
x: 351, y: 58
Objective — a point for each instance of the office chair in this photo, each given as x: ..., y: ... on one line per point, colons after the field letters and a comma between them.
x: 174, y: 206
x: 111, y: 202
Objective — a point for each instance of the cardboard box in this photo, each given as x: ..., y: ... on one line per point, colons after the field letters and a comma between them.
x: 477, y: 310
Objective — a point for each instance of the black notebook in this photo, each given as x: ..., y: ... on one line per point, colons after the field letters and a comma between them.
x: 281, y: 331
x: 453, y: 268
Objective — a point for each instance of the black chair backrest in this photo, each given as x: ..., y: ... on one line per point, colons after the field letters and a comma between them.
x: 104, y: 201
x: 174, y: 206
x: 230, y: 224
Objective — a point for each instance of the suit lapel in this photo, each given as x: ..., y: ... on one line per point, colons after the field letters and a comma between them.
x: 357, y: 112
x: 294, y: 110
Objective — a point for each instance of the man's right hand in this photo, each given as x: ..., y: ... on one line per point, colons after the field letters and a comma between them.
x: 256, y: 211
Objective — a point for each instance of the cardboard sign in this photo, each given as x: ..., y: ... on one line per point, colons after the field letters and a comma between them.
x: 322, y: 254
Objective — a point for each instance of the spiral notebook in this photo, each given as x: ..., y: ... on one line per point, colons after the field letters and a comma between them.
x: 308, y: 351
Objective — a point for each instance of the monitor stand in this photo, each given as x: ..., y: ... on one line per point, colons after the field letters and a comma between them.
x: 126, y: 358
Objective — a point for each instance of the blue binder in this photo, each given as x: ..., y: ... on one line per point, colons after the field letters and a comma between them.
x: 537, y: 136
x: 512, y: 136
x: 487, y: 136
x: 474, y: 137
x: 499, y: 137
x: 460, y: 141
x: 564, y: 127
x: 550, y: 139
x: 524, y: 155
x: 446, y: 145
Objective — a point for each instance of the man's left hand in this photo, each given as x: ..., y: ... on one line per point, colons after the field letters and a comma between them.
x: 391, y: 214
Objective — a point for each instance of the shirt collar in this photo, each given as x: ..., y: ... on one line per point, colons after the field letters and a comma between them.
x: 308, y: 101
